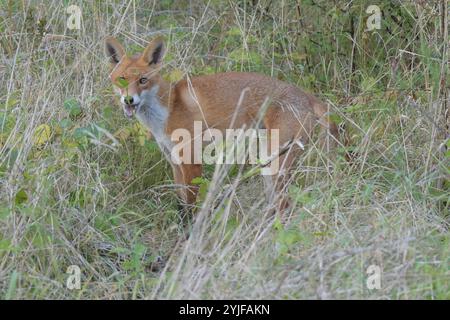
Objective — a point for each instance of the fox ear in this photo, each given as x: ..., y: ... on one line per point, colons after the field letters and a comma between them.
x: 154, y: 53
x: 114, y: 50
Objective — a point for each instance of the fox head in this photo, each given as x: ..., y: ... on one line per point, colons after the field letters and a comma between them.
x: 134, y: 76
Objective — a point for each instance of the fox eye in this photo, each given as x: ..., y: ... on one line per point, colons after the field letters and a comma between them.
x: 143, y: 80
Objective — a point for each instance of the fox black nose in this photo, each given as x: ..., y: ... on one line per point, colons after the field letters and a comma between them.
x: 128, y: 100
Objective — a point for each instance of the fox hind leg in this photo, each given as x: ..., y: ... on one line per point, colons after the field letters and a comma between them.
x: 276, y: 186
x: 183, y: 175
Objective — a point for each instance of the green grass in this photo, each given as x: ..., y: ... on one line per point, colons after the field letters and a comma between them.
x: 81, y: 185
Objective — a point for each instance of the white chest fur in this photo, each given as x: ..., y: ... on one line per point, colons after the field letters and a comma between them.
x: 153, y: 116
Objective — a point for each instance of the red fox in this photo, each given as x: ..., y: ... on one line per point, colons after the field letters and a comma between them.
x: 221, y: 101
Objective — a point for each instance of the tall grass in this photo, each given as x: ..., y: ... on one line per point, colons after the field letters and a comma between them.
x: 81, y: 185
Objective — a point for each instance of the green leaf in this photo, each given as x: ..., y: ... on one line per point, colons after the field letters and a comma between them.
x: 234, y: 31
x: 5, y: 244
x: 336, y: 118
x: 42, y: 134
x: 4, y: 213
x: 354, y: 108
x: 107, y: 112
x: 122, y: 83
x: 199, y: 181
x: 12, y: 286
x: 303, y: 198
x: 203, y: 187
x: 12, y: 157
x: 21, y: 197
x: 175, y: 76
x: 73, y: 107
x: 65, y: 124
x: 277, y: 225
